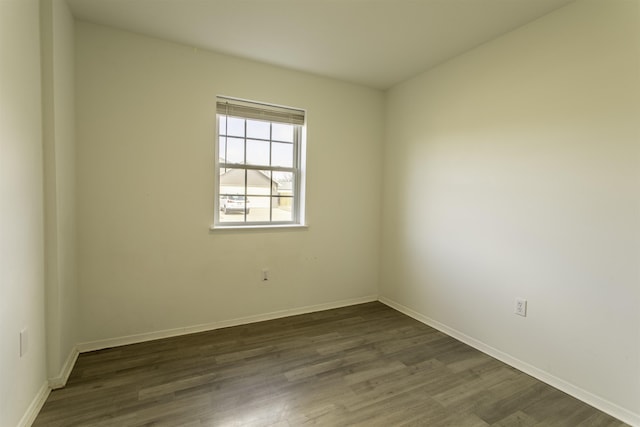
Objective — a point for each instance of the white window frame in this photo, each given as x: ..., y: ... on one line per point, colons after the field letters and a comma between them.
x: 252, y: 110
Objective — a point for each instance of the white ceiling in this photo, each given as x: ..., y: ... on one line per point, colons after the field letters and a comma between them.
x: 377, y: 43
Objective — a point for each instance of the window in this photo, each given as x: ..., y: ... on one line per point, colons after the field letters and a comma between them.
x: 259, y: 165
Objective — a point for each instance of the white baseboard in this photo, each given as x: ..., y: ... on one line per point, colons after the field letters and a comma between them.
x: 34, y: 408
x: 583, y: 395
x: 61, y: 380
x: 149, y: 336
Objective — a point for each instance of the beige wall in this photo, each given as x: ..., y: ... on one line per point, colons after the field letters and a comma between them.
x: 21, y: 217
x: 514, y: 171
x: 145, y: 134
x: 58, y: 64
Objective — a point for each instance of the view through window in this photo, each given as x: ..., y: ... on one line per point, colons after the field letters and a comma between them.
x: 258, y: 164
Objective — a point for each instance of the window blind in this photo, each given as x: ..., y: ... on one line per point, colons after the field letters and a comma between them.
x: 256, y: 111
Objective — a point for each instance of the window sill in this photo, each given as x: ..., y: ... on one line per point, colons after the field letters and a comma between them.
x: 258, y: 227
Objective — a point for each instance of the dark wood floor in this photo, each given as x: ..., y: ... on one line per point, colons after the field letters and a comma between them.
x: 364, y: 365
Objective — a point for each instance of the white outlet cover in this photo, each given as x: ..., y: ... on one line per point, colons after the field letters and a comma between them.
x: 520, y: 307
x: 24, y: 342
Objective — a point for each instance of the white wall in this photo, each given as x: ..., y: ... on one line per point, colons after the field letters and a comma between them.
x: 514, y: 171
x: 21, y: 210
x: 145, y: 133
x: 58, y: 64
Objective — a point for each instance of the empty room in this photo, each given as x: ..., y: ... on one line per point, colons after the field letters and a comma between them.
x: 319, y: 212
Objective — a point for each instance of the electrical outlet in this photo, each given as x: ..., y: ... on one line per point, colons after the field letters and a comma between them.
x: 521, y: 307
x: 265, y: 275
x: 24, y: 342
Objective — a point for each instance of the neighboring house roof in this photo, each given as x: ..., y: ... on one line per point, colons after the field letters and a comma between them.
x: 255, y: 178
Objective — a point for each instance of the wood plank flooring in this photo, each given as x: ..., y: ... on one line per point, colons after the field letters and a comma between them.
x: 364, y: 365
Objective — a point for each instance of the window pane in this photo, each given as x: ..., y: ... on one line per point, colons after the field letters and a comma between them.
x: 282, y: 208
x: 282, y: 154
x: 235, y: 126
x: 257, y: 152
x: 233, y: 203
x: 235, y: 150
x: 282, y: 132
x: 283, y: 201
x: 233, y: 208
x: 259, y: 211
x: 258, y: 129
x: 222, y: 125
x: 283, y: 182
x: 232, y: 182
x: 260, y: 188
x: 259, y: 183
